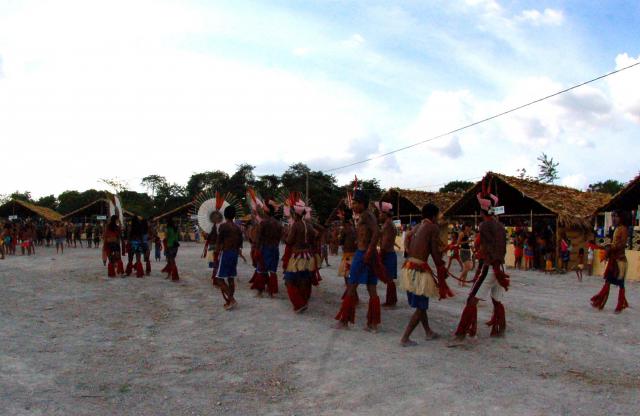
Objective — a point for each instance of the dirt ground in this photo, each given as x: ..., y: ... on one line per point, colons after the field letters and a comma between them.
x: 73, y: 342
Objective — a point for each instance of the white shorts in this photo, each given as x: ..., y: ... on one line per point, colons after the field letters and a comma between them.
x: 490, y: 288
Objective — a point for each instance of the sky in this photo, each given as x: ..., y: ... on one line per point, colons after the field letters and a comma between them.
x: 128, y: 88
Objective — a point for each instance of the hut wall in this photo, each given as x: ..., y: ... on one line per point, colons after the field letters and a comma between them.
x: 579, y: 239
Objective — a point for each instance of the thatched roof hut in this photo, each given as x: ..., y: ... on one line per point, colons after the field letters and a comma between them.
x: 628, y: 198
x: 531, y: 199
x: 98, y: 207
x: 408, y: 203
x: 24, y: 209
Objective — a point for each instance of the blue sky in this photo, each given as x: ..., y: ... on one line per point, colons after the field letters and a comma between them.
x: 130, y: 88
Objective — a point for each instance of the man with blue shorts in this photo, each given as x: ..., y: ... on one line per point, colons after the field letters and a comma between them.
x: 388, y: 251
x: 268, y: 236
x: 416, y: 277
x: 229, y: 242
x: 361, y: 271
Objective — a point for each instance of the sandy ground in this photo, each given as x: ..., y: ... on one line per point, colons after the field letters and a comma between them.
x: 74, y: 342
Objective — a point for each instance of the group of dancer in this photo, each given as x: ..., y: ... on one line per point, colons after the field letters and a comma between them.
x: 136, y: 241
x: 369, y: 256
x: 368, y: 244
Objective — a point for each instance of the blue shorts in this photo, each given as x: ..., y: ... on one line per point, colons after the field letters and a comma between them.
x: 137, y: 247
x: 417, y: 301
x: 360, y: 273
x: 227, y: 268
x: 270, y: 258
x: 390, y: 262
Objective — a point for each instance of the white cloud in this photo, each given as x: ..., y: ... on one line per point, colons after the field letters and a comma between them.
x: 578, y: 181
x: 549, y: 17
x: 301, y: 51
x: 624, y: 87
x: 354, y: 41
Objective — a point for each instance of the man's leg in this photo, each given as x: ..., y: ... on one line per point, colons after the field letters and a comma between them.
x: 347, y: 312
x: 373, y: 313
x: 415, y: 319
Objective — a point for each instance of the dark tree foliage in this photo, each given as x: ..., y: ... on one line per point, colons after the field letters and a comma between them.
x: 71, y: 200
x: 610, y: 186
x: 23, y: 196
x: 324, y: 192
x: 268, y: 185
x: 49, y: 201
x: 456, y: 186
x: 205, y: 181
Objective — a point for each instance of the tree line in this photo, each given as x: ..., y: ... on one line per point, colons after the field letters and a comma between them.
x: 324, y: 190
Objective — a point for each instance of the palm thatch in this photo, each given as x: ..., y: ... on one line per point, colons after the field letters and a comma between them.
x: 182, y: 209
x: 409, y: 203
x: 571, y: 207
x: 98, y: 207
x: 46, y: 213
x: 628, y: 198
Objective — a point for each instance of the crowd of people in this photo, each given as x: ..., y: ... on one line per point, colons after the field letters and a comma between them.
x: 367, y: 235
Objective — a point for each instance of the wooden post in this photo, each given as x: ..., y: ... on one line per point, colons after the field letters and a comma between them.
x: 557, y: 243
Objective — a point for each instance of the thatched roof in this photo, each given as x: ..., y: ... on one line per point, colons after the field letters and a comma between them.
x: 179, y: 210
x: 628, y: 198
x: 417, y: 199
x: 90, y: 205
x: 521, y: 196
x: 46, y: 213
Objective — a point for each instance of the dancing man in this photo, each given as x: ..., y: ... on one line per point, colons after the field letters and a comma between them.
x: 493, y: 247
x: 616, y: 269
x: 348, y: 242
x: 137, y: 230
x: 417, y: 277
x: 298, y: 261
x: 111, y: 247
x: 388, y: 251
x: 268, y: 235
x: 362, y: 267
x: 229, y: 244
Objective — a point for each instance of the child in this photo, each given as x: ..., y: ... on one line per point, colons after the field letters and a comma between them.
x: 528, y: 256
x: 548, y: 261
x: 591, y: 251
x: 580, y: 265
x: 565, y: 253
x: 158, y: 247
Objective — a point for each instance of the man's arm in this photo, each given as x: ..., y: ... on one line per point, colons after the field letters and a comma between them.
x: 435, y: 246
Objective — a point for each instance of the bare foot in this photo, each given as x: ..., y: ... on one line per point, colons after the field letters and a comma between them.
x: 432, y: 336
x: 408, y: 343
x: 389, y: 306
x: 302, y: 309
x: 232, y: 305
x: 371, y: 328
x: 342, y: 325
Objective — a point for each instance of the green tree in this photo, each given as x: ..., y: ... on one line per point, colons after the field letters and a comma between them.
x: 610, y: 186
x: 548, y: 169
x: 153, y: 183
x: 241, y: 179
x: 268, y: 185
x: 456, y: 186
x: 23, y: 196
x: 168, y: 197
x: 49, y: 201
x: 204, y: 181
x: 324, y: 193
x: 370, y: 186
x: 137, y: 202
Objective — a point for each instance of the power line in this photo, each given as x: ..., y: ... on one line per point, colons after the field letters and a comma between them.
x: 475, y: 123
